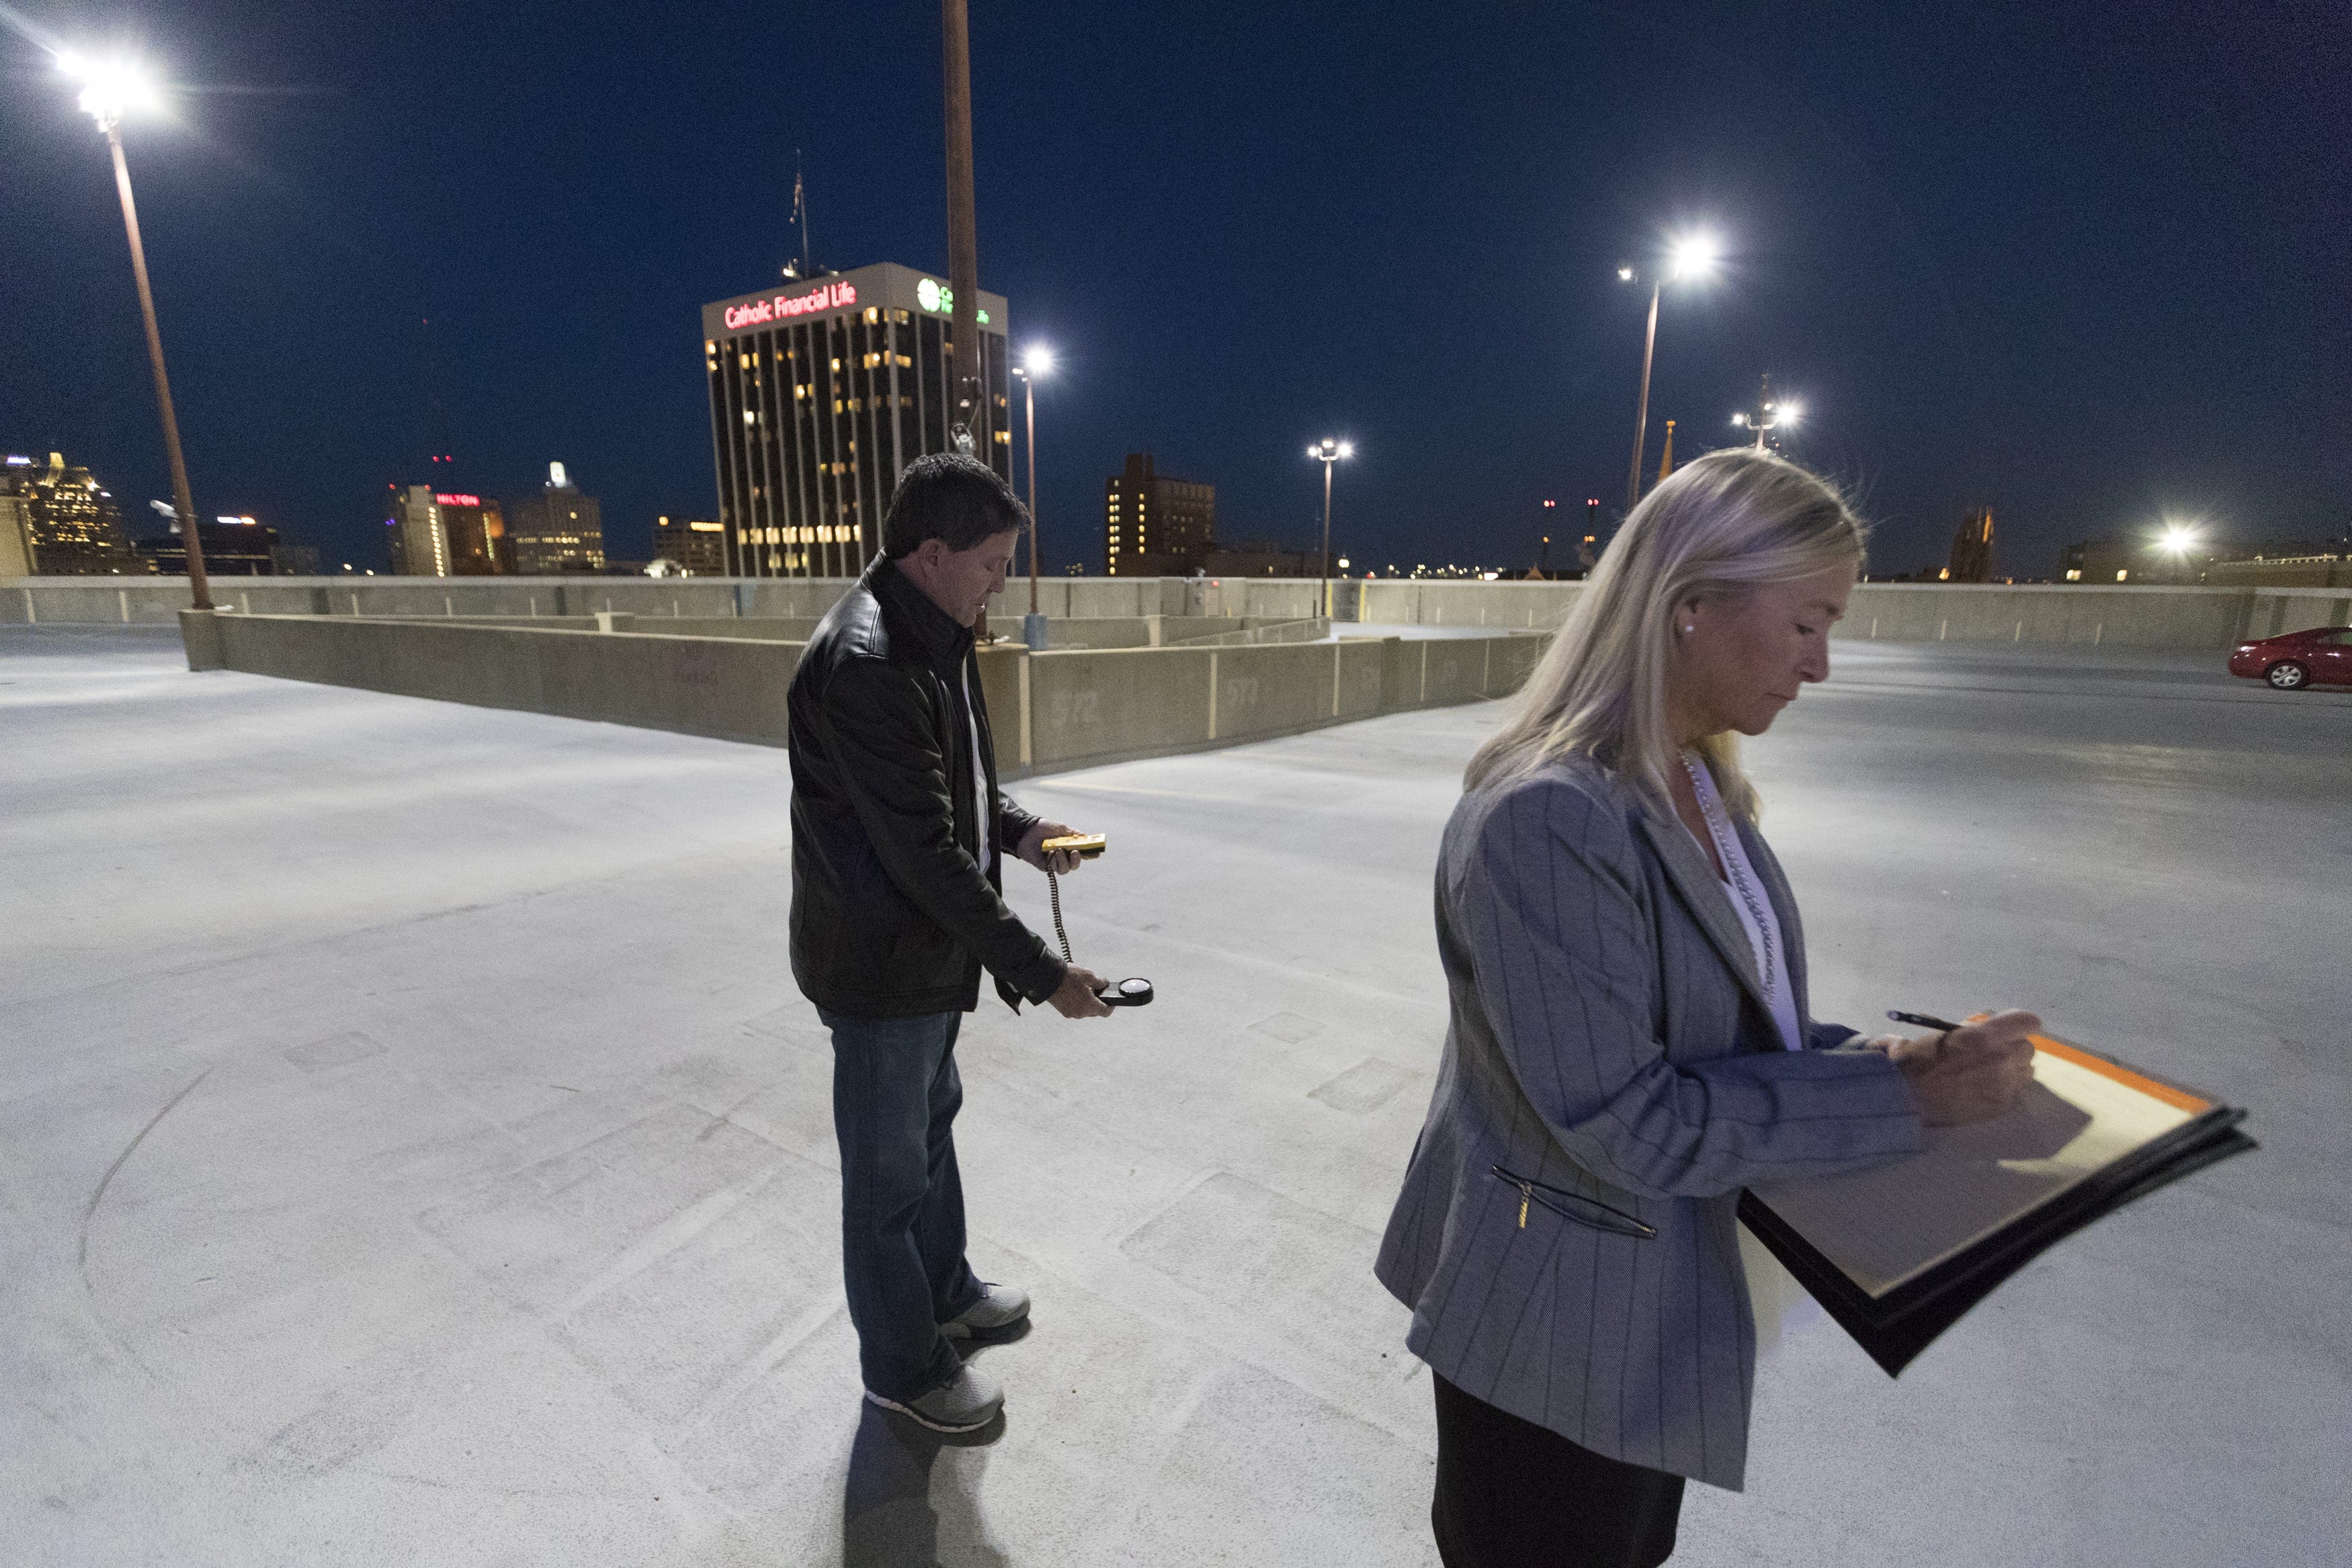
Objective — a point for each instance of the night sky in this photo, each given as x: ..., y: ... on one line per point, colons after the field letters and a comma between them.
x: 2089, y: 265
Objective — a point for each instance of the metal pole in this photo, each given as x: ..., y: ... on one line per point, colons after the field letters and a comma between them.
x: 1029, y: 401
x: 199, y: 586
x: 1641, y: 416
x: 1327, y: 535
x: 964, y: 242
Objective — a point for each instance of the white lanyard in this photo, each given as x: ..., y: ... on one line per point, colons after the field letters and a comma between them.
x: 1738, y: 873
x: 979, y: 779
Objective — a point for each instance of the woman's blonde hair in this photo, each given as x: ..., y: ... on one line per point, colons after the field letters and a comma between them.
x: 1720, y: 527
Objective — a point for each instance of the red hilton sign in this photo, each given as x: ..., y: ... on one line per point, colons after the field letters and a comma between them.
x: 824, y: 297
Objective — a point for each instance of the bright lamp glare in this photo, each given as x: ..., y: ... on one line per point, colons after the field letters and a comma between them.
x: 110, y: 87
x: 1693, y: 256
x: 1739, y: 419
x: 1787, y: 413
x: 1038, y: 362
x: 1625, y: 275
x: 2177, y: 539
x: 1347, y: 449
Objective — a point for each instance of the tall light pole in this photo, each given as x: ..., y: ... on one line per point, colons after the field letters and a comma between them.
x: 108, y: 91
x: 1329, y: 451
x: 1693, y: 258
x: 1037, y: 361
x: 969, y: 377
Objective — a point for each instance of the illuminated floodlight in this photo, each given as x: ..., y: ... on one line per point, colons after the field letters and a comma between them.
x: 1691, y: 257
x: 110, y: 88
x: 1739, y: 419
x: 1787, y: 414
x: 1038, y: 360
x: 1625, y: 274
x: 2179, y: 539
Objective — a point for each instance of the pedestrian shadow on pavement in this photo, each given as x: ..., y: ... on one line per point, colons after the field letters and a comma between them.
x: 913, y: 1496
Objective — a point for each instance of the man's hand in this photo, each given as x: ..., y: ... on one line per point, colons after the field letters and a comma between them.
x: 1969, y: 1074
x: 1080, y: 996
x: 1063, y: 862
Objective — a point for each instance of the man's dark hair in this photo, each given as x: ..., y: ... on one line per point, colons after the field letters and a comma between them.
x: 948, y: 496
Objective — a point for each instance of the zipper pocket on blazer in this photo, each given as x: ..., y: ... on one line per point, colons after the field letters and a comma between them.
x: 1616, y: 1221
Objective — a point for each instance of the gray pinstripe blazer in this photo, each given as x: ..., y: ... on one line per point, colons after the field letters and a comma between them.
x: 1611, y: 1048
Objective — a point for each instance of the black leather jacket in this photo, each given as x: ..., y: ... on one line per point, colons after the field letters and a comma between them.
x: 893, y: 913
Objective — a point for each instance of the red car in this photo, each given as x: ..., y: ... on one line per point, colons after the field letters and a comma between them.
x: 2319, y: 657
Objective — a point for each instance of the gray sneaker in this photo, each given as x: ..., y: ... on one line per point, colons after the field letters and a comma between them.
x: 999, y: 1307
x: 966, y: 1405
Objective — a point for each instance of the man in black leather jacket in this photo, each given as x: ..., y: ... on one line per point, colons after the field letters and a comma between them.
x: 897, y: 836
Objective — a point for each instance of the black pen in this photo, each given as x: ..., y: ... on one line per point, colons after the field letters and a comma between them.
x: 1922, y: 1020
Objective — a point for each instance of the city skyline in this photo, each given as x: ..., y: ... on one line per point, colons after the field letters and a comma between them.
x: 2073, y: 271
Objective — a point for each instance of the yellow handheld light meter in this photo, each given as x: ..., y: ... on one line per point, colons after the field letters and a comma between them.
x: 1087, y: 845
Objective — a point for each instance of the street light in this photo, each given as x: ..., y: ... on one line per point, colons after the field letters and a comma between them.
x: 1037, y: 361
x: 1692, y: 257
x: 1329, y: 451
x: 110, y: 89
x: 1771, y: 413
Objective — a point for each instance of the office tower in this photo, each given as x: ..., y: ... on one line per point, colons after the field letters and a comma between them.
x: 1972, y: 548
x: 820, y: 392
x: 63, y: 521
x: 1155, y: 525
x: 559, y: 530
x: 442, y: 533
x: 696, y: 546
x: 233, y: 546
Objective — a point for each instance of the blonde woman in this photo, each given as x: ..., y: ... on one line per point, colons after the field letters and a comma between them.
x: 1630, y: 1043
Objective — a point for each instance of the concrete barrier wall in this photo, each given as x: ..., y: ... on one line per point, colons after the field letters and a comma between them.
x: 2111, y: 617
x: 155, y: 601
x: 731, y: 690
x: 1104, y: 706
x: 1056, y: 710
x: 2118, y: 616
x: 1150, y: 631
x: 1528, y: 606
x: 2122, y: 616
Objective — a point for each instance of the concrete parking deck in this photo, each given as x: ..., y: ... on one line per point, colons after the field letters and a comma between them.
x: 412, y: 1149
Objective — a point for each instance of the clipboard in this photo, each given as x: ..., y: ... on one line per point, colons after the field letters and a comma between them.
x: 1899, y: 1253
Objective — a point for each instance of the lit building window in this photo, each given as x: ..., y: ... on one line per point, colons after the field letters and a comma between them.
x: 2122, y: 575
x: 2074, y: 574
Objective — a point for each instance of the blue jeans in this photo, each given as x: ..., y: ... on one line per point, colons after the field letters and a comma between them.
x: 895, y: 1092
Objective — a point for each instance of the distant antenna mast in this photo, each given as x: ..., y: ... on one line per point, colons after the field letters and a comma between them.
x: 800, y: 216
x: 441, y: 462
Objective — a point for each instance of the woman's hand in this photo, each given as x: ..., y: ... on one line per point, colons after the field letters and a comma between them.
x: 1968, y: 1074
